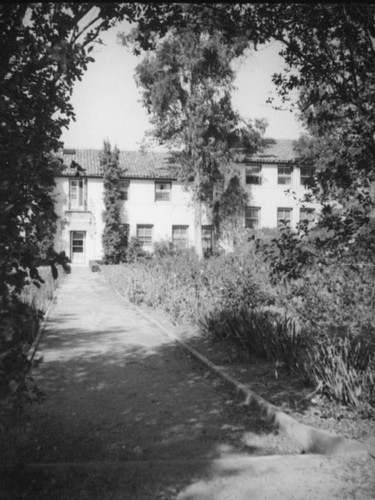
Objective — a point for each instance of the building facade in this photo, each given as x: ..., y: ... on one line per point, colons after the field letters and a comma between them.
x: 156, y: 206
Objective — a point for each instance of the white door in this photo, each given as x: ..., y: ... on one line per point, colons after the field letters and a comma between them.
x: 78, y: 247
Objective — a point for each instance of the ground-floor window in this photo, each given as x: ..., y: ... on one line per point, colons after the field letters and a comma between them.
x: 307, y: 215
x: 124, y: 230
x: 252, y: 217
x: 180, y: 236
x: 207, y: 238
x: 284, y: 216
x: 144, y: 234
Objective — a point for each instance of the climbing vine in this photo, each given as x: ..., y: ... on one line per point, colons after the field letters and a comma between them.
x: 115, y: 238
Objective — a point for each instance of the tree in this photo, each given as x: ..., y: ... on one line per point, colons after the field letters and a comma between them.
x: 115, y: 237
x: 336, y: 81
x: 45, y: 49
x: 329, y: 53
x: 186, y: 82
x: 230, y: 209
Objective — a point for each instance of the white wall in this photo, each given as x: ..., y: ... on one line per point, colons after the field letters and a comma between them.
x: 141, y: 208
x: 89, y: 220
x: 270, y: 195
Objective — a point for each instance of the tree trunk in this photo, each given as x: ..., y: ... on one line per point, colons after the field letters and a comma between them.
x: 198, y: 226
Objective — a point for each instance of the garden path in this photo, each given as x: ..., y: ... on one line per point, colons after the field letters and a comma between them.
x: 129, y: 414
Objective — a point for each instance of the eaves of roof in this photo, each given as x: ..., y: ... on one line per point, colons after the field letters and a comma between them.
x: 157, y: 166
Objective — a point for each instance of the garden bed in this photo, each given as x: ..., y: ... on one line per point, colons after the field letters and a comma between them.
x: 273, y: 383
x: 319, y: 329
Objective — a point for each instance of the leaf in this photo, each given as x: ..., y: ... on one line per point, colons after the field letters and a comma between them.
x: 55, y: 272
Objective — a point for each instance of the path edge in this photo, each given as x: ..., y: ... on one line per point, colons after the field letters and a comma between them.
x: 310, y: 439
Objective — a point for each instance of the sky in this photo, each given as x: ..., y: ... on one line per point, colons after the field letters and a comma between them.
x: 108, y: 103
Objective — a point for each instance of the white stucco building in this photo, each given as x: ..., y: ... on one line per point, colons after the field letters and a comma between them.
x: 158, y: 207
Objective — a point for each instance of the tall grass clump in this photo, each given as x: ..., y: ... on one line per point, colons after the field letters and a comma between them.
x: 320, y: 328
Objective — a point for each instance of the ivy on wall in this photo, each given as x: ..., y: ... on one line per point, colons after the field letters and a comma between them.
x: 115, y: 234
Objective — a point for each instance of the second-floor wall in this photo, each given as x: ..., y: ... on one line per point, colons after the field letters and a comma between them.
x: 275, y: 193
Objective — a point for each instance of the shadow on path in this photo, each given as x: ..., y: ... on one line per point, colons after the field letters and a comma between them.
x: 119, y: 392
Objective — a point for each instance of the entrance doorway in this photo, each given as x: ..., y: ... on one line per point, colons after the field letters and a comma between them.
x: 78, y: 247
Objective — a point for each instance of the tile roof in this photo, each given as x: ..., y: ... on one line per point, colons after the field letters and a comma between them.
x: 281, y: 150
x: 155, y: 165
x: 134, y: 164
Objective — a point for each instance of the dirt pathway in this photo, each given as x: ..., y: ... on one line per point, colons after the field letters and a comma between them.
x: 128, y: 414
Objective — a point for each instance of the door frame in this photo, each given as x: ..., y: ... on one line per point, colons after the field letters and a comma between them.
x: 72, y: 235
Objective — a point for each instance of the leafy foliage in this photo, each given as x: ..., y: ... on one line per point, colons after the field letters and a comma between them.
x: 115, y: 236
x: 19, y: 324
x: 229, y: 210
x: 186, y: 84
x: 319, y: 327
x: 329, y: 54
x: 45, y: 49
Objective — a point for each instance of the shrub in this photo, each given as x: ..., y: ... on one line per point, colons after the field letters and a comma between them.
x: 333, y: 300
x: 20, y: 316
x: 135, y: 250
x: 164, y: 248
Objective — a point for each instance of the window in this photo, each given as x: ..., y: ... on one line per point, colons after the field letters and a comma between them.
x: 180, y: 236
x: 252, y: 217
x: 76, y: 193
x: 206, y: 238
x: 124, y: 186
x: 284, y: 175
x: 144, y: 234
x: 163, y: 191
x: 284, y: 216
x: 254, y: 174
x: 306, y: 175
x: 307, y: 215
x: 78, y: 241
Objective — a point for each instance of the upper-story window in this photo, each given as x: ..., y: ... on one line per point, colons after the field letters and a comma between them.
x: 307, y: 174
x: 284, y: 174
x: 77, y: 194
x: 254, y: 174
x: 124, y: 188
x: 163, y: 191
